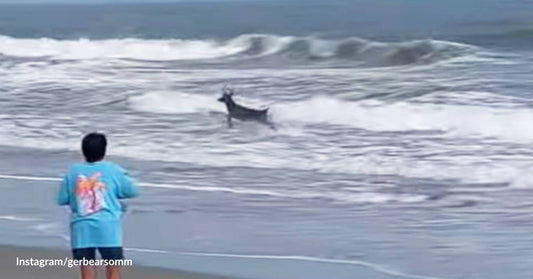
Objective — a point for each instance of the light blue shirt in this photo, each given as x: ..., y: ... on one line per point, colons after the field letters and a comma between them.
x: 93, y: 191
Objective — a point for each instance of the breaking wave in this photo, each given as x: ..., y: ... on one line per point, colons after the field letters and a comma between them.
x: 504, y: 123
x: 266, y: 48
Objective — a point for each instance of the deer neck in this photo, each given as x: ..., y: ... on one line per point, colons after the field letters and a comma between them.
x: 230, y: 104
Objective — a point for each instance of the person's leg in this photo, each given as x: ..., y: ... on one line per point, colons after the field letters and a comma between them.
x: 112, y: 253
x: 87, y: 271
x: 113, y: 271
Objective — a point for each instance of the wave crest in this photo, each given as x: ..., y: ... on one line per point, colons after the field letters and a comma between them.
x: 356, y: 50
x: 469, y: 121
x: 267, y: 48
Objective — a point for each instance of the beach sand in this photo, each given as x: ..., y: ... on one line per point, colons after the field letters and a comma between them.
x: 9, y: 268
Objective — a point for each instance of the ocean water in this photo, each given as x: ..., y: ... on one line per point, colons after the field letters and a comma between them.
x: 401, y: 150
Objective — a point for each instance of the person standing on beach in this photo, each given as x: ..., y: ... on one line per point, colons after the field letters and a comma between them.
x: 92, y: 190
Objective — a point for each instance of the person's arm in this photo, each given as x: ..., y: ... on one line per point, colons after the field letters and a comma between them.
x: 127, y: 187
x: 63, y: 196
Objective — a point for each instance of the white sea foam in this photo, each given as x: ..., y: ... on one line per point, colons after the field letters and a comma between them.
x: 245, y: 46
x: 174, y: 102
x: 144, y: 250
x: 456, y: 120
x: 523, y: 179
x: 18, y: 218
x: 49, y: 228
x: 509, y: 124
x: 117, y: 48
x: 451, y: 122
x: 373, y: 266
x: 359, y: 197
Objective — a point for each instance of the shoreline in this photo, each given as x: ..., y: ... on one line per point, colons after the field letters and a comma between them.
x: 10, y: 253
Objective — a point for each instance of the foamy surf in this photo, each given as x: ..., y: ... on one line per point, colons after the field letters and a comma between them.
x: 453, y: 120
x: 175, y: 102
x: 138, y: 49
x: 249, y: 46
x: 355, y: 197
x: 373, y: 266
x: 290, y: 258
x: 456, y: 120
x: 18, y: 218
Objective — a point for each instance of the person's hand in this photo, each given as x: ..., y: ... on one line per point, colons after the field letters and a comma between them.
x: 124, y: 206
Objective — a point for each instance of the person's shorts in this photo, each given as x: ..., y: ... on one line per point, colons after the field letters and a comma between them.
x: 107, y: 253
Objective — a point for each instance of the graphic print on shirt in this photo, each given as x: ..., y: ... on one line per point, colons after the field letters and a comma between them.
x: 90, y: 194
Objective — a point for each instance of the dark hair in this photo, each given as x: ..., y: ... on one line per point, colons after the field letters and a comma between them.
x: 94, y: 146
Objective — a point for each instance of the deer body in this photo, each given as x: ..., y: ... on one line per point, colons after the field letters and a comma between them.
x: 241, y: 112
